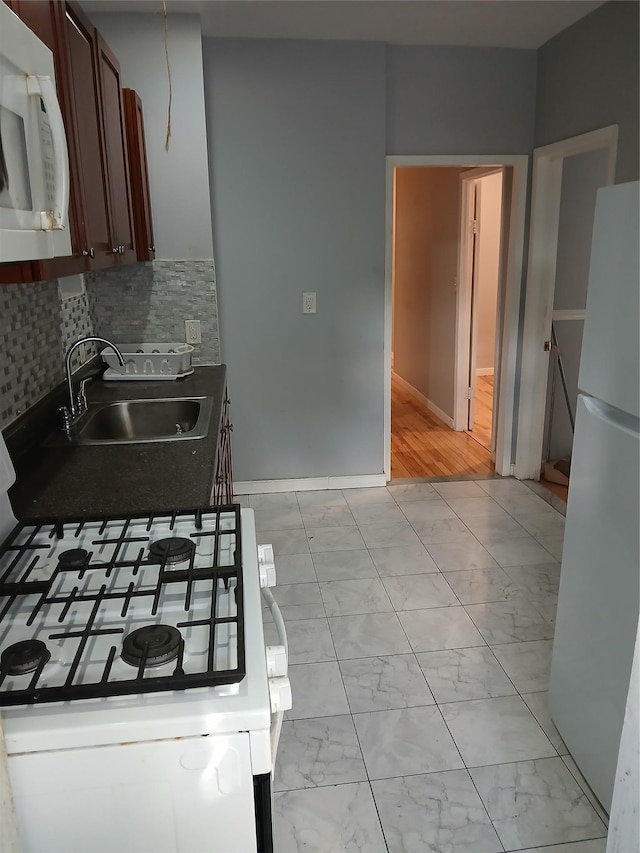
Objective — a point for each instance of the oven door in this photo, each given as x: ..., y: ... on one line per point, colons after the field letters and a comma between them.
x: 34, y: 162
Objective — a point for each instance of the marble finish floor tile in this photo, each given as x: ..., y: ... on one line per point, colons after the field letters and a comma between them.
x: 434, y: 812
x: 320, y: 497
x: 334, y: 539
x: 521, y: 551
x: 334, y: 515
x: 536, y: 803
x: 382, y: 513
x: 492, y: 528
x: 295, y: 612
x: 466, y: 553
x: 478, y: 507
x: 510, y: 621
x: 285, y: 542
x: 389, y: 535
x: 440, y: 628
x: 366, y: 497
x: 403, y: 560
x: 504, y: 487
x: 317, y: 690
x: 441, y: 530
x: 346, y: 598
x: 412, y: 491
x: 529, y: 504
x: 538, y: 704
x: 553, y: 544
x: 455, y: 675
x: 543, y: 524
x: 459, y: 489
x: 273, y: 501
x: 309, y: 640
x: 582, y: 782
x: 318, y: 751
x: 494, y: 731
x: 596, y: 845
x: 276, y: 518
x: 318, y: 820
x: 429, y: 510
x: 344, y: 565
x: 385, y: 683
x: 405, y: 742
x: 477, y: 586
x: 297, y: 593
x: 536, y: 580
x: 417, y: 592
x: 368, y: 635
x: 295, y: 568
x: 528, y: 665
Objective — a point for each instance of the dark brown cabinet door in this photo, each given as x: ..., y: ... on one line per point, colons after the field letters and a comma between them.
x: 137, y: 157
x: 80, y: 38
x: 116, y: 157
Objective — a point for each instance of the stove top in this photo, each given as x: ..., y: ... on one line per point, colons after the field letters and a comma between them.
x: 98, y: 607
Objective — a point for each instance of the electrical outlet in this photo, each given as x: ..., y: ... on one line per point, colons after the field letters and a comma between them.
x: 192, y: 333
x: 309, y: 302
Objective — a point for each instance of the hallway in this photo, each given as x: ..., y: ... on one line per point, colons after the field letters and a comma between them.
x: 423, y: 446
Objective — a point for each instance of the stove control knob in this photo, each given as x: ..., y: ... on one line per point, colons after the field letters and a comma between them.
x: 266, y: 565
x: 276, y: 661
x: 280, y: 695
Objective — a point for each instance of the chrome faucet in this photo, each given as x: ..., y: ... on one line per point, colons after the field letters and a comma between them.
x: 72, y: 413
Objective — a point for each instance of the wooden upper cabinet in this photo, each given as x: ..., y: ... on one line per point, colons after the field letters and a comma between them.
x: 138, y: 171
x: 101, y: 207
x: 115, y: 146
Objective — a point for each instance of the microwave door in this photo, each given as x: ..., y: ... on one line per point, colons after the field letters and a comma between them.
x: 34, y: 165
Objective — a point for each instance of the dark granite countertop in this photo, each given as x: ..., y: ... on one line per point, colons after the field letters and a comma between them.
x: 100, y: 479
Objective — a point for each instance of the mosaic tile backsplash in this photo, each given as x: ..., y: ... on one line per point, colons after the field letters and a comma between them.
x: 142, y: 302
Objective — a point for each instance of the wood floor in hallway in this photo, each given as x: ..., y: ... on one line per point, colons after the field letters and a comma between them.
x: 483, y: 411
x: 423, y: 446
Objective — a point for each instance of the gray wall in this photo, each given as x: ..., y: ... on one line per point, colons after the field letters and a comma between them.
x: 178, y: 178
x: 296, y: 145
x: 588, y: 78
x: 460, y: 100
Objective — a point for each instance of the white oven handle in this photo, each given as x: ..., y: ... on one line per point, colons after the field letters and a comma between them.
x: 57, y: 218
x: 277, y: 665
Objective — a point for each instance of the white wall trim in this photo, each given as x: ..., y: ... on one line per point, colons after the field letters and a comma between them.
x: 485, y: 371
x: 513, y: 287
x: 568, y: 314
x: 541, y: 273
x: 309, y: 484
x: 424, y: 400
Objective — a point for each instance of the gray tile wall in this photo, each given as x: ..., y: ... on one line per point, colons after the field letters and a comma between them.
x: 35, y: 330
x: 150, y: 302
x: 143, y: 302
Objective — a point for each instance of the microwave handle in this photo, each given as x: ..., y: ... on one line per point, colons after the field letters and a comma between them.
x: 61, y: 157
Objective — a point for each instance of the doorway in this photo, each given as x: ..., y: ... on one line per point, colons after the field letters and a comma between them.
x: 435, y: 413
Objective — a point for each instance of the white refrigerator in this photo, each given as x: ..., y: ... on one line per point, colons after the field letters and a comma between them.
x: 599, y: 593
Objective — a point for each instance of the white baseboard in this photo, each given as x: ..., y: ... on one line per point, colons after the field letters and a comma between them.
x: 424, y: 400
x: 485, y: 371
x: 309, y: 484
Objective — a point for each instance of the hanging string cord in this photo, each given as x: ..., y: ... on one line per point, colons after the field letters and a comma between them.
x: 166, y: 53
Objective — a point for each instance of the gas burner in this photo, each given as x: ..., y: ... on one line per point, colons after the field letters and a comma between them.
x: 75, y: 558
x: 172, y: 550
x: 21, y: 658
x: 160, y: 642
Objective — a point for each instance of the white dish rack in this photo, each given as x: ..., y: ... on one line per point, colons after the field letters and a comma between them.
x: 149, y: 361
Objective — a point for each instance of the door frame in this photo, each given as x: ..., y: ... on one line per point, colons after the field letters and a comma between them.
x: 464, y: 332
x: 512, y: 297
x: 541, y: 272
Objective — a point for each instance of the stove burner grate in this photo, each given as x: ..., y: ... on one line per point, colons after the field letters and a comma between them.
x: 153, y: 644
x: 174, y: 549
x: 24, y: 657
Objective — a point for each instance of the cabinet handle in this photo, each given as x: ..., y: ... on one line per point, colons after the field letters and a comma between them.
x: 152, y: 248
x: 89, y: 253
x: 116, y: 250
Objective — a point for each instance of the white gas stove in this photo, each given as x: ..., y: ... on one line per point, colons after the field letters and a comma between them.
x: 138, y: 709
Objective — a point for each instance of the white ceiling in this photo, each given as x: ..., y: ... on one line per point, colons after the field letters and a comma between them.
x: 483, y: 23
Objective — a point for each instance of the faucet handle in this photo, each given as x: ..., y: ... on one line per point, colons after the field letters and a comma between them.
x: 82, y: 394
x: 66, y: 418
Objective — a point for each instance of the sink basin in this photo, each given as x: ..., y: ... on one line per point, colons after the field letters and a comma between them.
x: 141, y: 421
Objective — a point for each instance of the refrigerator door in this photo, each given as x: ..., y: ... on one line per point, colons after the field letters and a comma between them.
x: 599, y: 593
x: 609, y: 364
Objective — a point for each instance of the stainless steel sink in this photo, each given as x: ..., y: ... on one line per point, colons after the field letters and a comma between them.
x: 142, y: 421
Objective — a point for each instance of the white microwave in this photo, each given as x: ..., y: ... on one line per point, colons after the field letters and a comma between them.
x: 34, y: 162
